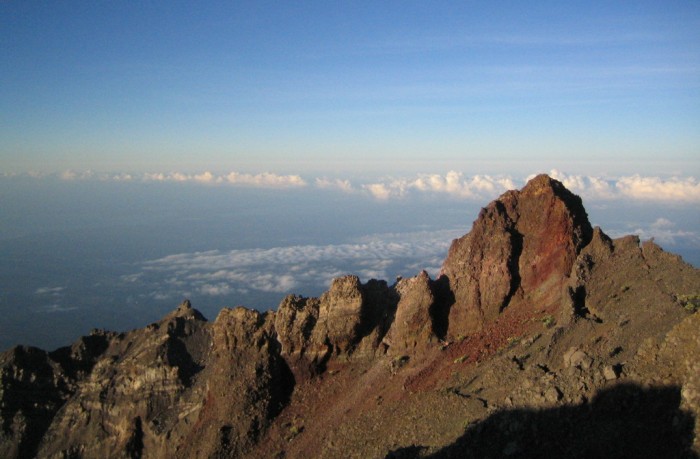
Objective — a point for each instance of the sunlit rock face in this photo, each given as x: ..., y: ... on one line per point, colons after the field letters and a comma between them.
x: 519, y: 252
x: 414, y: 325
x: 348, y: 321
x: 141, y: 390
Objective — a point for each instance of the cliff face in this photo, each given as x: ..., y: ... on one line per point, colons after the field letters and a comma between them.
x: 533, y: 309
x: 138, y: 392
x: 518, y: 255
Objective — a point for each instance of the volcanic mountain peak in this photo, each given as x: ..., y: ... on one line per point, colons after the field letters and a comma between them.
x: 541, y: 337
x: 518, y: 254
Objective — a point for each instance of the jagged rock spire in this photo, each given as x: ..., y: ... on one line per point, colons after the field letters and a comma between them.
x: 521, y: 247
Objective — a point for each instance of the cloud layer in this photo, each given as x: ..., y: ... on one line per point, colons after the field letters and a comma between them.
x: 51, y: 299
x: 291, y: 269
x: 636, y: 187
x: 265, y: 179
x: 454, y: 184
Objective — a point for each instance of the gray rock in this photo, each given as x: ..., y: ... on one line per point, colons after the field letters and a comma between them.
x: 577, y: 358
x: 610, y: 373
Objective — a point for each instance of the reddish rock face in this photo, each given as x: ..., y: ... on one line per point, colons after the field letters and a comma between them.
x: 519, y: 253
x: 555, y: 228
x: 479, y: 267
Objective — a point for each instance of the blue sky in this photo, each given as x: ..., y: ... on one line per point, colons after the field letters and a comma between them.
x: 350, y: 88
x: 233, y: 152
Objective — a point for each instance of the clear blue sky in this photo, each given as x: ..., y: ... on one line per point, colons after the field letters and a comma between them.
x: 347, y: 86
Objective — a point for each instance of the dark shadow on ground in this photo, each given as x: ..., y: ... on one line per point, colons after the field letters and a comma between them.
x: 626, y: 421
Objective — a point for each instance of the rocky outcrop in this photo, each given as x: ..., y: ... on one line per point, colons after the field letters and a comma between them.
x: 349, y: 320
x: 519, y: 253
x: 340, y: 317
x: 34, y: 386
x: 414, y: 325
x: 536, y: 320
x: 138, y: 393
x: 245, y: 385
x: 295, y: 320
x: 32, y: 389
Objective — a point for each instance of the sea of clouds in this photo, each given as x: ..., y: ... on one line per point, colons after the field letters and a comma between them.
x: 305, y: 269
x: 453, y: 183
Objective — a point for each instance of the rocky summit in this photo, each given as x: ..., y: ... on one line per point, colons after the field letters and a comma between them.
x: 541, y: 337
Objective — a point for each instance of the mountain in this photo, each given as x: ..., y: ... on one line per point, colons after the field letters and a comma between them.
x: 541, y: 337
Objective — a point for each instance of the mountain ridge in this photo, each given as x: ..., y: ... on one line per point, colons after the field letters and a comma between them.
x: 533, y: 305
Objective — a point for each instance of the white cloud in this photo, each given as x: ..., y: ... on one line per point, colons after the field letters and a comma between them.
x: 665, y: 232
x: 220, y: 282
x: 170, y: 177
x: 587, y: 186
x: 382, y: 191
x: 263, y: 180
x: 662, y: 223
x: 161, y: 296
x: 155, y: 177
x: 215, y: 289
x: 206, y: 177
x: 57, y: 308
x: 54, y: 295
x: 131, y: 277
x: 73, y: 175
x: 657, y: 189
x: 453, y: 183
x: 216, y: 261
x: 342, y: 185
x: 266, y: 179
x: 121, y: 177
x: 636, y: 187
x: 53, y: 291
x: 180, y: 177
x: 287, y: 269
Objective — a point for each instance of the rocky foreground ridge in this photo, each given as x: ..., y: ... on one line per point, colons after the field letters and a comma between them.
x: 542, y: 337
